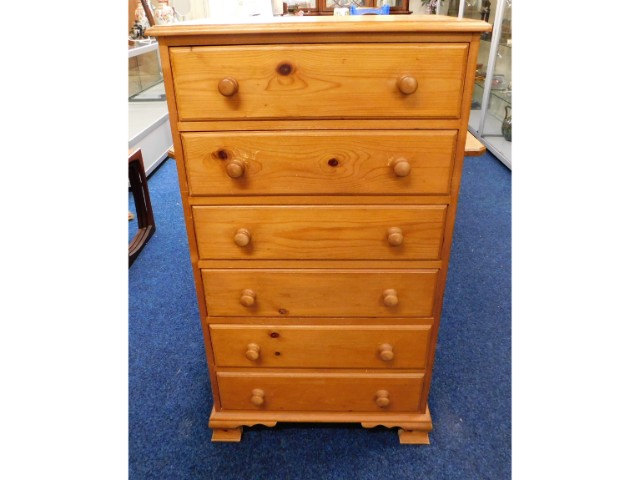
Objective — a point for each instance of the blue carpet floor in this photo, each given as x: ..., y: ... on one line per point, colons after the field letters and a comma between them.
x: 470, y: 401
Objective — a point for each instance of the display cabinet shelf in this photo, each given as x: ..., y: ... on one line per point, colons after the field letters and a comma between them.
x: 492, y: 93
x: 502, y: 94
x: 149, y: 128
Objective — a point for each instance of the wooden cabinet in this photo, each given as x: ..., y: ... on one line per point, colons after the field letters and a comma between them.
x: 319, y: 161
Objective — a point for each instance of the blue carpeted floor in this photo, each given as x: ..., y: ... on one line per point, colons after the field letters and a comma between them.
x: 470, y: 401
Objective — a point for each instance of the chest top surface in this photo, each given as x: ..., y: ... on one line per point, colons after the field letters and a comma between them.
x: 321, y: 24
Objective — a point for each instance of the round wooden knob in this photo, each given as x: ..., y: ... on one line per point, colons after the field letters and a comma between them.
x: 253, y: 351
x: 248, y: 298
x: 401, y: 167
x: 257, y: 397
x: 235, y: 168
x: 394, y: 236
x: 390, y: 297
x: 385, y: 352
x: 382, y: 398
x: 407, y: 84
x: 242, y: 237
x: 228, y: 86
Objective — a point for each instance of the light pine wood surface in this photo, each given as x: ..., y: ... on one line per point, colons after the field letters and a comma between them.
x: 320, y: 162
x: 473, y: 147
x: 320, y: 232
x: 322, y: 392
x: 320, y: 346
x: 319, y: 292
x: 315, y: 80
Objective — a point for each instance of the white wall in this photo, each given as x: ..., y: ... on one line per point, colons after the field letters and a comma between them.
x: 239, y: 8
x: 191, y: 9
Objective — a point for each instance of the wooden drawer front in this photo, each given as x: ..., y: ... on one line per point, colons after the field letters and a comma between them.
x: 333, y: 392
x: 328, y: 346
x: 330, y: 81
x: 319, y: 232
x: 320, y: 162
x: 319, y: 292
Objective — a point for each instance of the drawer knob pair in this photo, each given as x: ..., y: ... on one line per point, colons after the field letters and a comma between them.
x: 385, y: 352
x: 382, y: 398
x: 242, y: 238
x: 389, y: 296
x: 228, y: 86
x: 236, y: 168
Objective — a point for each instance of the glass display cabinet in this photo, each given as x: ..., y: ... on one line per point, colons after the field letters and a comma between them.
x: 490, y: 119
x: 145, y: 74
x: 149, y: 127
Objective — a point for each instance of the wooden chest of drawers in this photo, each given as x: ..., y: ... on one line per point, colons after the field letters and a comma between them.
x: 319, y: 162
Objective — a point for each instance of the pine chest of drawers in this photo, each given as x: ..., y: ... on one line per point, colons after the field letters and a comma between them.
x: 319, y: 163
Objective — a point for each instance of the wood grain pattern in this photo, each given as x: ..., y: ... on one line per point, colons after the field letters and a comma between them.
x: 320, y: 162
x: 320, y: 392
x: 318, y: 80
x: 319, y: 292
x: 319, y: 232
x: 335, y: 346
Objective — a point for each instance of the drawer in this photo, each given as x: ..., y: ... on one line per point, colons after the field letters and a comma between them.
x: 335, y: 392
x: 321, y: 162
x: 319, y: 292
x: 293, y: 81
x: 319, y: 232
x: 326, y: 346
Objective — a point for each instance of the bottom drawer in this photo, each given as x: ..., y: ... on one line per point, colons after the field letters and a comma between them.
x: 330, y: 392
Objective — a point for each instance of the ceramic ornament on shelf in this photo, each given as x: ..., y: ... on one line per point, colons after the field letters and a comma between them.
x: 140, y: 17
x: 164, y: 13
x: 431, y: 6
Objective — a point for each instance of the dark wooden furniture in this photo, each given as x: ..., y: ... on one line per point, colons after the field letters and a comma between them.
x: 142, y: 200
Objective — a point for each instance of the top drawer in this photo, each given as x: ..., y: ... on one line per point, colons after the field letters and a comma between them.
x: 319, y: 81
